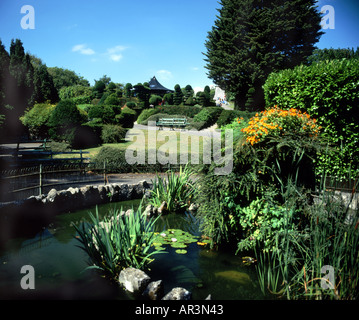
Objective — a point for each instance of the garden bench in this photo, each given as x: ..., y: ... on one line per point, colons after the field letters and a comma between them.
x: 172, y: 123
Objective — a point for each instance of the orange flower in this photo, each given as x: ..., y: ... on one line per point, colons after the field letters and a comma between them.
x: 275, y: 120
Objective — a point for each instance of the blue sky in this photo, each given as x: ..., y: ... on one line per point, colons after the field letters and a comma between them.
x: 133, y: 40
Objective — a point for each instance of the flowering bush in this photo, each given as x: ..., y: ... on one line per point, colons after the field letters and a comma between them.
x: 277, y: 122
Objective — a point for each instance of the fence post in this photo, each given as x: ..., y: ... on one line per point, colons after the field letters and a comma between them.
x: 40, y: 180
x: 104, y: 172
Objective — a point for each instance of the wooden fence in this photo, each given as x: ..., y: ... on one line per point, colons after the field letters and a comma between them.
x: 17, y: 184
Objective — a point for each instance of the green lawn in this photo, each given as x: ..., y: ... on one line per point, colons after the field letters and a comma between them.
x: 173, y: 141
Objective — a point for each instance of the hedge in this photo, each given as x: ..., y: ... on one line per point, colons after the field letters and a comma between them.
x: 329, y: 92
x: 208, y: 116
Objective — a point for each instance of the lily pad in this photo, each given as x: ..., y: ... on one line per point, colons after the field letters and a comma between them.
x: 160, y: 248
x: 176, y: 238
x: 178, y: 245
x: 181, y: 251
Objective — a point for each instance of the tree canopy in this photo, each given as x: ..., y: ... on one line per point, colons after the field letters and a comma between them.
x: 252, y: 38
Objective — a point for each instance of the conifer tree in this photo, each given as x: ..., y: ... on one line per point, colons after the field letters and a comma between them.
x: 252, y: 38
x: 44, y: 88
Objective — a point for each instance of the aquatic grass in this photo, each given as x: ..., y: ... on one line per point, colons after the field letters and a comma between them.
x: 117, y: 241
x: 296, y: 267
x: 176, y: 189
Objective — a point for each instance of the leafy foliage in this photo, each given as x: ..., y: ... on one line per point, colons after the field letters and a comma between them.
x: 117, y: 242
x: 112, y: 133
x: 175, y: 190
x: 328, y: 91
x: 251, y: 39
x: 294, y: 266
x: 37, y: 118
x: 127, y: 117
x: 260, y: 170
x: 208, y: 116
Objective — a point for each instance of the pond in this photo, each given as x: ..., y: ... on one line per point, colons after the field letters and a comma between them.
x: 59, y: 264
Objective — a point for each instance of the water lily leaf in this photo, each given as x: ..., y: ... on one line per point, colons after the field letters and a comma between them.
x: 178, y: 245
x: 181, y: 251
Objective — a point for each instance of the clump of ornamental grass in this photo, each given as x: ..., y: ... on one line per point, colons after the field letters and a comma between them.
x: 176, y: 189
x: 118, y: 241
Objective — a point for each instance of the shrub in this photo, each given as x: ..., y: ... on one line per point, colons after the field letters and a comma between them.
x: 272, y: 151
x: 104, y: 112
x: 227, y: 116
x: 112, y: 99
x: 36, y: 119
x: 208, y: 115
x: 131, y: 104
x: 155, y: 100
x: 277, y: 122
x: 127, y: 117
x: 328, y: 91
x: 145, y: 114
x: 65, y: 113
x: 84, y: 137
x: 65, y: 117
x: 112, y: 133
x: 114, y: 158
x: 59, y: 146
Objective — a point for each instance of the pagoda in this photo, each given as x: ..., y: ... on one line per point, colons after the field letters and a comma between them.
x: 157, y: 88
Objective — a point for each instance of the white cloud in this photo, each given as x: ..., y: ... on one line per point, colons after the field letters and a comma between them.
x: 82, y: 48
x: 197, y: 89
x: 115, y: 53
x: 116, y: 57
x: 164, y: 74
x: 195, y: 69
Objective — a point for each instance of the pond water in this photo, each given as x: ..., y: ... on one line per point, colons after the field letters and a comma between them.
x: 59, y: 265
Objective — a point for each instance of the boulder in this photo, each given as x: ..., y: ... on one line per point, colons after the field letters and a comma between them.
x: 163, y: 208
x: 178, y: 294
x: 150, y: 211
x: 193, y: 207
x: 154, y: 291
x: 134, y: 280
x: 51, y: 196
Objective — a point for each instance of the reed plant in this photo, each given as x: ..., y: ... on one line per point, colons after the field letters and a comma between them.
x: 176, y: 189
x: 296, y: 267
x: 117, y: 241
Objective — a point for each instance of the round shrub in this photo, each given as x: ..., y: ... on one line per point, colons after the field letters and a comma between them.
x: 65, y: 113
x: 64, y: 119
x: 127, y: 117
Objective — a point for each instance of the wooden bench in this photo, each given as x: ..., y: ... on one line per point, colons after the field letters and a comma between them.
x: 172, y: 123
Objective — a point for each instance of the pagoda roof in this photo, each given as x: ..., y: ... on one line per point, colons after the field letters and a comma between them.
x: 156, y: 86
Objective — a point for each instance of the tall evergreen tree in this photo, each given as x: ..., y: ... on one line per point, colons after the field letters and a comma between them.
x: 252, y: 38
x: 4, y: 77
x: 44, y: 88
x: 19, y: 88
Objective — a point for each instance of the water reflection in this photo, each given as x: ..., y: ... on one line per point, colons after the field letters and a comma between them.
x: 59, y: 264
